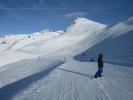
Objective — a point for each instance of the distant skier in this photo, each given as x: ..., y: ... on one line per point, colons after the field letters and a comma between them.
x: 100, y: 66
x: 92, y: 60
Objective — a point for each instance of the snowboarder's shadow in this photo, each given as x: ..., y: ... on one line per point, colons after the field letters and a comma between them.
x: 83, y: 74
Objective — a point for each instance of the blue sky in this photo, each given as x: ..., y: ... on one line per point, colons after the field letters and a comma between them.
x: 27, y: 16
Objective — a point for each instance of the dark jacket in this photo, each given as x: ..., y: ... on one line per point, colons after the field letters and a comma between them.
x: 100, y: 62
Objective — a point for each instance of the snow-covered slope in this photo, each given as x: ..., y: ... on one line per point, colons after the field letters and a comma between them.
x: 115, y: 42
x: 50, y: 65
x: 83, y: 26
x: 46, y: 42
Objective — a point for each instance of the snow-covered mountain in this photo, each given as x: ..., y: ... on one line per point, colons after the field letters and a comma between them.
x: 83, y: 26
x: 49, y: 65
x: 115, y: 42
x: 47, y: 42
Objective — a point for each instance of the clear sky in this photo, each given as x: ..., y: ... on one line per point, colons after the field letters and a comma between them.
x: 27, y: 16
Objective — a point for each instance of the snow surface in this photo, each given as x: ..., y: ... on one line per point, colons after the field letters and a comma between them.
x: 50, y: 65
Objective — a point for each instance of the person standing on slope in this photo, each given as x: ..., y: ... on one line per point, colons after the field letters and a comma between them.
x: 100, y: 66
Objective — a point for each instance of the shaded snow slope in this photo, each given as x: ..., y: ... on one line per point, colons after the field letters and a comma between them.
x: 115, y: 42
x: 24, y: 68
x: 17, y: 76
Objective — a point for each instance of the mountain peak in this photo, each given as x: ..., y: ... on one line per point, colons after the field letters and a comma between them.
x: 79, y: 24
x: 79, y: 20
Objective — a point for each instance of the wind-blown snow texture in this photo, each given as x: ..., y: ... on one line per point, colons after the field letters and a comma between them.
x: 50, y: 65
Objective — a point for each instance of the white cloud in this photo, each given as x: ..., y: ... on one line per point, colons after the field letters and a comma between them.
x: 76, y: 14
